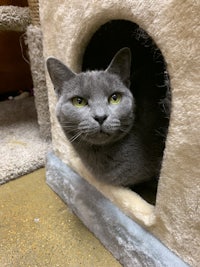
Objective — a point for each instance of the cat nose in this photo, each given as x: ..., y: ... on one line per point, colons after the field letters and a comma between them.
x: 100, y: 119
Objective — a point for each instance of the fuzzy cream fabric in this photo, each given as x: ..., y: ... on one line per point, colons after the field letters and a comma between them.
x: 22, y: 150
x: 13, y: 18
x: 34, y: 40
x: 174, y: 25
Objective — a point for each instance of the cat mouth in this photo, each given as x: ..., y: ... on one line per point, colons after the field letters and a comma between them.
x: 99, y: 137
x: 102, y: 134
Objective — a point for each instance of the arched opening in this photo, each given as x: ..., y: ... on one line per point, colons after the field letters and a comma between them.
x: 149, y: 83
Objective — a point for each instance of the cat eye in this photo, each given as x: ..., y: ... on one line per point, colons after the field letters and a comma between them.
x: 115, y: 98
x: 79, y: 102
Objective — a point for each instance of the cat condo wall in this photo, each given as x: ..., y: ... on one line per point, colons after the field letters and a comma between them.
x: 69, y: 28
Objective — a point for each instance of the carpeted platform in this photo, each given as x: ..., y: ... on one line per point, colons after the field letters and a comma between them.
x: 21, y: 148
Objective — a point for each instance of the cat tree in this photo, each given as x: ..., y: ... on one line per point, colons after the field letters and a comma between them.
x: 20, y: 20
x: 108, y: 211
x: 26, y: 19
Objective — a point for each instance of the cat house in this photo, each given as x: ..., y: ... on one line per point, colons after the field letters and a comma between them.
x: 136, y: 232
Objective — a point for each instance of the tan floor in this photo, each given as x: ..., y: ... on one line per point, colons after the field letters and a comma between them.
x: 37, y: 229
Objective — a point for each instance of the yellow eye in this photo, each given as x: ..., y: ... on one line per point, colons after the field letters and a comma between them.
x: 79, y: 102
x: 115, y: 98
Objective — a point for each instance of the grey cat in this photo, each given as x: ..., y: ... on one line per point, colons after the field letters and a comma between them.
x: 96, y: 110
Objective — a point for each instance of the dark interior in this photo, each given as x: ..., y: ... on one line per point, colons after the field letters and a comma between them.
x: 15, y: 73
x: 149, y: 81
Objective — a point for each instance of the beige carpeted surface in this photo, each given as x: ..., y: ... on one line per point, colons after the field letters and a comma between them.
x: 38, y: 230
x: 21, y: 148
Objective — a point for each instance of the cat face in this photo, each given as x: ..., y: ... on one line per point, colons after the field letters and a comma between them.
x: 98, y: 110
x: 94, y: 107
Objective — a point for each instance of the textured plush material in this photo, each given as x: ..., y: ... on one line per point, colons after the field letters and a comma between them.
x: 34, y: 40
x: 174, y: 25
x: 14, y: 18
x: 34, y: 12
x: 128, y: 242
x: 22, y: 150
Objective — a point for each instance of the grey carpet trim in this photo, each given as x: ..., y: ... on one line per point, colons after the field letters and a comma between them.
x: 125, y: 239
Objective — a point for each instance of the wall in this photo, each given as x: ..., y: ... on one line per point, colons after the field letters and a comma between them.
x: 15, y: 73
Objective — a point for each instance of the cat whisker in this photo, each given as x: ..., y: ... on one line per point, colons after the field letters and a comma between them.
x: 124, y: 130
x: 68, y: 125
x: 161, y: 132
x: 76, y: 136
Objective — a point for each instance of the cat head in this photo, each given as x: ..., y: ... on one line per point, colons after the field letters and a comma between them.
x: 94, y: 106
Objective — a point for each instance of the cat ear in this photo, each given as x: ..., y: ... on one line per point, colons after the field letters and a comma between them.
x: 59, y: 73
x: 121, y: 65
